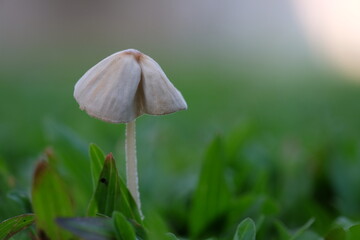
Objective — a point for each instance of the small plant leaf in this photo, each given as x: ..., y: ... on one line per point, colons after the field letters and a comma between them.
x: 11, y: 226
x: 97, y: 158
x: 246, y: 230
x: 212, y: 196
x: 123, y: 228
x: 111, y: 194
x: 89, y: 228
x: 50, y: 200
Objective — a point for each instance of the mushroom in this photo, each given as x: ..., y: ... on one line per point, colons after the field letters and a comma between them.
x: 121, y: 88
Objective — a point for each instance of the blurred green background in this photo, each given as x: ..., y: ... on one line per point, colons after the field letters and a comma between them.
x: 246, y: 71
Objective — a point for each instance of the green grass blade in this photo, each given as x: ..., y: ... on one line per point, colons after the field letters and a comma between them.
x: 97, y: 158
x: 111, y: 194
x: 123, y: 228
x: 91, y: 228
x: 336, y: 234
x: 11, y: 226
x: 354, y: 233
x: 212, y: 195
x: 72, y: 156
x: 246, y: 230
x: 283, y: 232
x: 171, y: 236
x: 50, y: 200
x: 156, y: 227
x: 22, y: 198
x: 302, y: 229
x: 127, y: 204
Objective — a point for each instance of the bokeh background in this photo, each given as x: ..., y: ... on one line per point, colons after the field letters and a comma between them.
x: 282, y: 74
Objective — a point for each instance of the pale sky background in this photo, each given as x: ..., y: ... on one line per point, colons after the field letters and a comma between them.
x: 278, y: 33
x: 263, y: 28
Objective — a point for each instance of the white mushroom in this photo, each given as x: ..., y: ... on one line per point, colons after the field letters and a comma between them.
x: 126, y: 85
x: 122, y: 87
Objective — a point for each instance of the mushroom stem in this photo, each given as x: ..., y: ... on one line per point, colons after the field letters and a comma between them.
x: 131, y: 163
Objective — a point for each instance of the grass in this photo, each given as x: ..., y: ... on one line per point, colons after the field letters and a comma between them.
x: 283, y: 165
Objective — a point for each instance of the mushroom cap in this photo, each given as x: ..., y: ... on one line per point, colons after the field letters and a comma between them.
x: 126, y: 85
